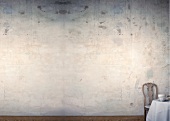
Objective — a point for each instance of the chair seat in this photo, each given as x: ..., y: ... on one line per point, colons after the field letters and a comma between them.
x: 147, y: 106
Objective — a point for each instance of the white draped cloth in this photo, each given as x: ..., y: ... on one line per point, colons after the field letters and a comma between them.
x: 159, y: 111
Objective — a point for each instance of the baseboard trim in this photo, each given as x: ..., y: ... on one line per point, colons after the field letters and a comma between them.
x: 71, y: 118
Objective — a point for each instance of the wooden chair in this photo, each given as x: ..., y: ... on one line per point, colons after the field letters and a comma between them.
x: 150, y: 92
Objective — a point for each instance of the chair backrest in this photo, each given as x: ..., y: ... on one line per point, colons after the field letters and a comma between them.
x: 150, y: 92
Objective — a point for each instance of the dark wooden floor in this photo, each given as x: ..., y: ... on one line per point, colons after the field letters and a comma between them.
x: 71, y: 118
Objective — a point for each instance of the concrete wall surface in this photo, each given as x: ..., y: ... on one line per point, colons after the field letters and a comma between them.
x: 81, y: 57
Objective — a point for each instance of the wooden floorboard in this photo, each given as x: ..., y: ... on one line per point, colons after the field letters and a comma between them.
x: 71, y: 118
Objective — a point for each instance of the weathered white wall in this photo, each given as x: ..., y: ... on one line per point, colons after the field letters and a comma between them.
x: 81, y: 57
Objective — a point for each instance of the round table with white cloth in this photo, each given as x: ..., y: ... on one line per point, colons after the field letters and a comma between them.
x: 159, y: 111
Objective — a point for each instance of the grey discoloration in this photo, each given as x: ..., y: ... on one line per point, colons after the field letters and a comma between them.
x: 119, y: 30
x: 119, y: 24
x: 63, y: 11
x: 22, y: 12
x: 101, y: 22
x: 6, y: 26
x: 137, y: 84
x: 164, y: 43
x: 62, y: 2
x: 6, y: 31
x: 39, y: 7
x: 131, y: 104
x: 167, y: 30
x: 102, y: 27
x: 146, y: 23
x: 149, y: 73
x: 7, y: 9
x: 74, y: 32
x: 163, y: 24
x: 129, y: 6
x: 128, y: 19
x: 86, y: 7
x: 103, y: 12
x: 118, y: 41
x: 117, y: 9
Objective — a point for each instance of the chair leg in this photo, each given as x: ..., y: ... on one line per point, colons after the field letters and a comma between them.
x: 144, y: 115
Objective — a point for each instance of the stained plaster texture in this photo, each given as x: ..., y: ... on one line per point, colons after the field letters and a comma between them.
x: 81, y: 57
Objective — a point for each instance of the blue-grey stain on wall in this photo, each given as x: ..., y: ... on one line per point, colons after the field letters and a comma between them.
x: 150, y: 73
x: 118, y: 9
x: 7, y: 9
